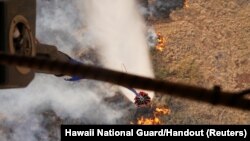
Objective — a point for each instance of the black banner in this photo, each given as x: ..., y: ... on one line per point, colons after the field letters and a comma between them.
x: 78, y: 132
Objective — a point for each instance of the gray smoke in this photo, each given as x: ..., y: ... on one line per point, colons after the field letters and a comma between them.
x: 22, y: 118
x: 160, y: 9
x: 29, y: 114
x: 151, y: 37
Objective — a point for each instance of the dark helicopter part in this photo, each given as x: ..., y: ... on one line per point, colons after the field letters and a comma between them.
x: 49, y: 52
x: 214, y: 96
x: 17, y: 30
x: 74, y: 77
x: 17, y: 34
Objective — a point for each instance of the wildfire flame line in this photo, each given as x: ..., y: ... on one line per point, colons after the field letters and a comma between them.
x: 161, y: 42
x: 155, y: 120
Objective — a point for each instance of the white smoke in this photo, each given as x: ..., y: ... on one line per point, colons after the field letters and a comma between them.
x: 114, y: 28
x: 21, y: 110
x: 119, y: 32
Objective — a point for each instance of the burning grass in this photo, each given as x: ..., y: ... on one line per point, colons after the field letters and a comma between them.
x: 152, y: 115
x: 161, y: 42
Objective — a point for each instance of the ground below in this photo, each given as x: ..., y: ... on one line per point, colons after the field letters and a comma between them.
x: 208, y: 43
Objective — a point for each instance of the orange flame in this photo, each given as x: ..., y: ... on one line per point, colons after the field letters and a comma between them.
x: 149, y: 121
x: 161, y: 42
x: 163, y: 111
x: 186, y: 5
x: 154, y: 120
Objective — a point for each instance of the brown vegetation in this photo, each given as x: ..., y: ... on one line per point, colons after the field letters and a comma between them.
x: 208, y: 44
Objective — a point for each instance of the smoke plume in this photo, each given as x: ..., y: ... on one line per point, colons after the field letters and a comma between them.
x: 119, y: 33
x: 110, y: 28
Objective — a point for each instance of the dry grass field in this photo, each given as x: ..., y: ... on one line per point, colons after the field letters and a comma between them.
x: 208, y: 43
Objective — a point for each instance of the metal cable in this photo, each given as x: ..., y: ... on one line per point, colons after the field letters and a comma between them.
x: 215, y: 96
